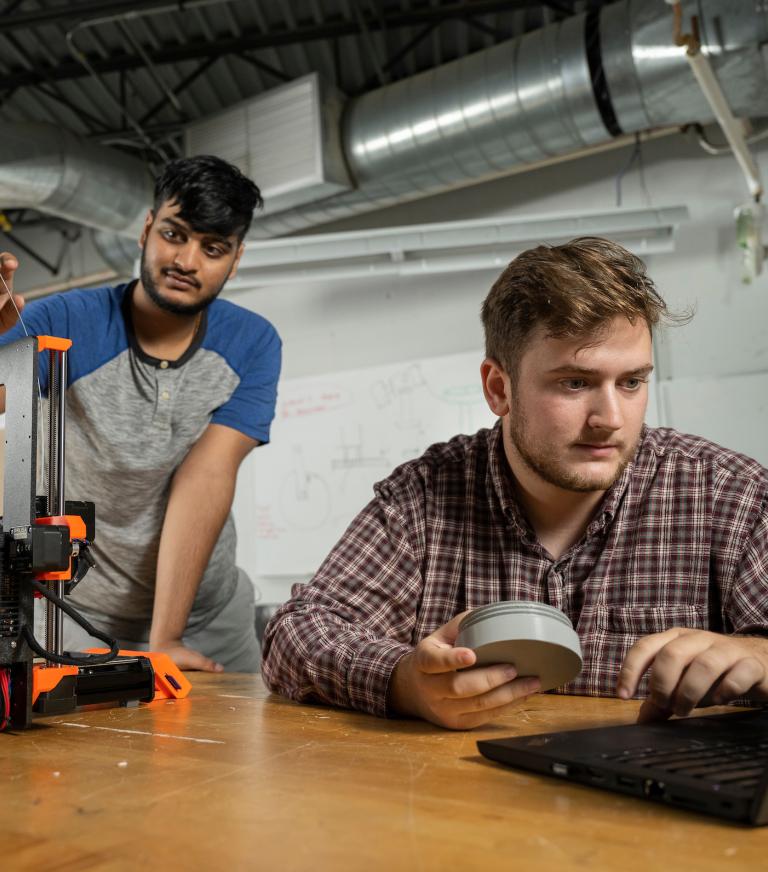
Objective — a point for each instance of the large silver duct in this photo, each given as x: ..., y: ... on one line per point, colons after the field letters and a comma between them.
x: 519, y: 102
x: 48, y: 168
x: 555, y: 91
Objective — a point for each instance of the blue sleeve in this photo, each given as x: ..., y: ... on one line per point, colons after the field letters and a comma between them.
x: 90, y: 318
x: 251, y: 407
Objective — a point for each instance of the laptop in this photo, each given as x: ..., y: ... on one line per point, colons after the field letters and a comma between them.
x: 716, y: 764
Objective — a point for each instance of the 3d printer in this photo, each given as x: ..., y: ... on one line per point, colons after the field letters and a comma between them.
x: 45, y: 550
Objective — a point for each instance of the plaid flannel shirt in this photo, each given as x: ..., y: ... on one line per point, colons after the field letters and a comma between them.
x: 680, y: 539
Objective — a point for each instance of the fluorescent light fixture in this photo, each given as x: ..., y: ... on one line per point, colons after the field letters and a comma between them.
x: 453, y: 246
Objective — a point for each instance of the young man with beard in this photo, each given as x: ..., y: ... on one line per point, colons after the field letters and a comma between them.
x: 169, y: 388
x: 654, y: 543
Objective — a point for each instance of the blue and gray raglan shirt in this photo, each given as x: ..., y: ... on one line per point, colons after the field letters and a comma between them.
x: 131, y: 419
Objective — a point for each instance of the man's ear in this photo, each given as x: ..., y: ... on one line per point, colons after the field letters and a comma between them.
x: 148, y: 221
x: 496, y: 386
x: 233, y: 271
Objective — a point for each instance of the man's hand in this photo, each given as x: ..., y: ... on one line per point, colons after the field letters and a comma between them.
x: 185, y: 658
x: 8, y: 316
x: 691, y: 668
x: 426, y: 684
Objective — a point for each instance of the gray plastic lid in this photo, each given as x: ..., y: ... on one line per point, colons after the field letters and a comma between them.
x: 514, y: 607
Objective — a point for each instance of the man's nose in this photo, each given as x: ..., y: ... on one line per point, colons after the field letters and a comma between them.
x: 606, y: 413
x: 186, y: 258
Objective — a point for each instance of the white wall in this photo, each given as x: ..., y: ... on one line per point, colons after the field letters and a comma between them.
x: 713, y: 373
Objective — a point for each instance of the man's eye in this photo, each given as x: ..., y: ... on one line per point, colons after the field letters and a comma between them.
x: 634, y: 384
x: 574, y: 384
x: 214, y: 252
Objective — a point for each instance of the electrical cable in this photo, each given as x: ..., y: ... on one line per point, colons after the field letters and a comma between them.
x: 636, y: 153
x: 711, y: 148
x: 82, y: 563
x: 69, y: 659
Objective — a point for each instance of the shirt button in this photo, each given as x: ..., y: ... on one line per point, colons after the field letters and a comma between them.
x: 165, y: 395
x: 163, y: 364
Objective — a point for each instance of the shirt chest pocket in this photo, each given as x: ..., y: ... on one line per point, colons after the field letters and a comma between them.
x: 640, y: 621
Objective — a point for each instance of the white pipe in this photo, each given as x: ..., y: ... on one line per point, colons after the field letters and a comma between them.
x: 718, y: 103
x: 730, y: 125
x: 91, y: 280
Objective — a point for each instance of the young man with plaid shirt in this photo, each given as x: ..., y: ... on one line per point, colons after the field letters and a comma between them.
x: 654, y: 543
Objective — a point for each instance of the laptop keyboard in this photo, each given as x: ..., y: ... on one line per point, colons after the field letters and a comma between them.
x: 735, y: 764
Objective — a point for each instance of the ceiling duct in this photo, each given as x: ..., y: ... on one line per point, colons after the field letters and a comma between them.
x: 50, y: 169
x: 577, y: 83
x: 287, y: 139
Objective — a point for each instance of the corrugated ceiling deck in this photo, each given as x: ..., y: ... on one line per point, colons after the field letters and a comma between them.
x: 216, y: 54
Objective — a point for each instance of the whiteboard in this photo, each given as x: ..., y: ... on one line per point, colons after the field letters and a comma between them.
x: 332, y: 438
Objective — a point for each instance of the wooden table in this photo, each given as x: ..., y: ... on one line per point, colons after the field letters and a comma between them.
x: 231, y: 778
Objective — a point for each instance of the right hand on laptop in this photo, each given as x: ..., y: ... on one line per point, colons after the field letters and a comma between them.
x: 8, y: 316
x: 427, y: 684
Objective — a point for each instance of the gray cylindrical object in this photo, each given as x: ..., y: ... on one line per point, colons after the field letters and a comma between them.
x: 538, y: 639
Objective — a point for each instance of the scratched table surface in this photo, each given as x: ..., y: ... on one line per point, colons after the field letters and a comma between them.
x: 232, y: 778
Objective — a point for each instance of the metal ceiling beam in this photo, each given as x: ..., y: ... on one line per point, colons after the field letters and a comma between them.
x: 14, y: 4
x: 157, y: 130
x: 487, y: 29
x: 401, y: 53
x: 248, y: 41
x: 91, y: 121
x: 265, y: 68
x: 53, y: 269
x: 76, y: 12
x: 182, y: 86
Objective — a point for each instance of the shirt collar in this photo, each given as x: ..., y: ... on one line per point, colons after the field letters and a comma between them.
x: 133, y: 342
x: 610, y: 502
x: 501, y: 478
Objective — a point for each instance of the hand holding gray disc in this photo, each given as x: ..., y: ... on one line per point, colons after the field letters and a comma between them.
x: 537, y: 639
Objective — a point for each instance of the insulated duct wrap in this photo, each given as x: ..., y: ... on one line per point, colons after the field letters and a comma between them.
x: 50, y: 169
x: 553, y: 92
x: 522, y: 101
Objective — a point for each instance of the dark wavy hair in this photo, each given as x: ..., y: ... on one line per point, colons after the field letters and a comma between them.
x: 213, y: 195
